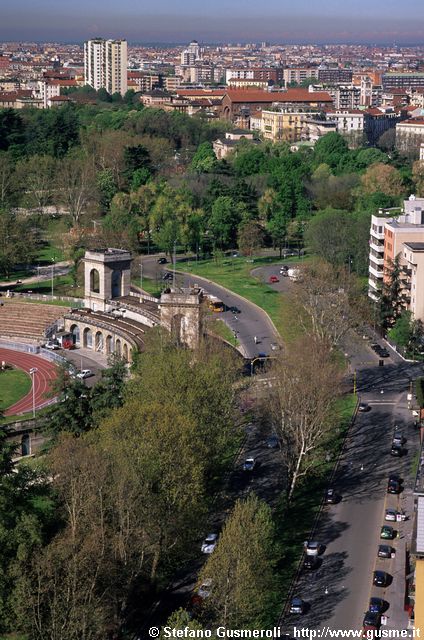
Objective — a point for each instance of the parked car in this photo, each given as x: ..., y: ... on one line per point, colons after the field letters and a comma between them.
x: 398, y: 437
x: 376, y: 605
x: 273, y: 279
x: 397, y: 450
x: 162, y: 261
x: 384, y: 551
x: 331, y: 497
x: 380, y: 578
x: 393, y: 486
x: 234, y: 310
x: 297, y: 606
x: 372, y: 619
x: 363, y: 406
x: 313, y: 548
x: 311, y: 563
x: 209, y: 543
x: 390, y: 515
x: 167, y: 276
x: 273, y: 442
x: 249, y: 464
x: 50, y: 344
x: 84, y: 373
x: 284, y: 269
x: 387, y: 532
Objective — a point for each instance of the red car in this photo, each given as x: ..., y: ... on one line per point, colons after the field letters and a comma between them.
x: 273, y: 279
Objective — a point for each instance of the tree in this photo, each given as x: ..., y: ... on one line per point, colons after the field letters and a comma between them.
x: 17, y: 241
x: 243, y: 585
x: 107, y: 187
x: 250, y: 237
x: 329, y: 235
x: 6, y: 179
x: 392, y: 297
x: 223, y: 221
x: 307, y: 382
x: 108, y: 393
x: 380, y: 177
x: 418, y: 177
x: 331, y: 299
x: 204, y: 160
x: 73, y: 413
x: 401, y: 332
x: 76, y: 182
x: 37, y: 174
x: 330, y: 149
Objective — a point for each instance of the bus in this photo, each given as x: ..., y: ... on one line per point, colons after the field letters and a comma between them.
x: 216, y: 305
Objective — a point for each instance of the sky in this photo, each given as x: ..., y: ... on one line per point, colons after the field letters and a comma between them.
x: 179, y: 21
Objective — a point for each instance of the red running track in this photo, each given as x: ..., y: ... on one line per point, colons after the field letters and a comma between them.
x: 46, y: 373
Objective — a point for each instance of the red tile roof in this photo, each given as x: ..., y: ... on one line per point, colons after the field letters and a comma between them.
x: 291, y: 95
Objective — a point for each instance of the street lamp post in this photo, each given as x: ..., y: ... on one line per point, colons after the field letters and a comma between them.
x: 32, y: 373
x: 53, y: 276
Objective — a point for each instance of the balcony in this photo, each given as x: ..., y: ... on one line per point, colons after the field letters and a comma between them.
x: 377, y: 260
x: 378, y: 273
x: 376, y: 246
x: 375, y: 235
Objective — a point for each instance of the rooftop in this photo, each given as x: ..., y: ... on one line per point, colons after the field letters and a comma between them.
x: 415, y: 246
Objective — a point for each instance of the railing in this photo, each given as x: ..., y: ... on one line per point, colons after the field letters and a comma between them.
x: 125, y: 333
x: 78, y: 302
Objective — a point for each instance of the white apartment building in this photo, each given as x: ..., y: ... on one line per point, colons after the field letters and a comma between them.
x: 191, y: 55
x: 105, y: 65
x: 399, y: 232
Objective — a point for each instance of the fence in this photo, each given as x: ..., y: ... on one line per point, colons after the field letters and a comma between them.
x: 34, y: 349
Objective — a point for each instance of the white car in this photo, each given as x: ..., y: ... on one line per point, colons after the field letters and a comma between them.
x: 390, y: 515
x: 209, y: 543
x: 313, y: 548
x: 52, y: 345
x: 85, y: 373
x: 249, y: 464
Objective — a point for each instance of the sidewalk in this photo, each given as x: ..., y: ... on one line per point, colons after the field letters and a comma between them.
x: 43, y: 273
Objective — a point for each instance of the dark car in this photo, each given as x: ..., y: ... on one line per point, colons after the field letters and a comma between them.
x: 375, y: 347
x: 380, y: 578
x: 376, y: 605
x: 384, y: 353
x: 167, y: 276
x: 331, y: 497
x: 162, y: 260
x: 387, y: 532
x: 311, y: 563
x: 397, y: 450
x: 297, y: 606
x: 234, y: 309
x: 393, y: 487
x: 372, y: 619
x: 273, y: 442
x: 384, y: 551
x: 363, y: 406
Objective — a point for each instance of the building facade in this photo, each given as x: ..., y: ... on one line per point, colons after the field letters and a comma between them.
x: 105, y: 65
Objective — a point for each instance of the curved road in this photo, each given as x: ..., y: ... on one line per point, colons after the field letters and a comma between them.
x: 43, y: 379
x: 250, y: 322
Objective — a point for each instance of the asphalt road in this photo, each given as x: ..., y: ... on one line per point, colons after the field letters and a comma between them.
x: 338, y: 592
x: 250, y: 322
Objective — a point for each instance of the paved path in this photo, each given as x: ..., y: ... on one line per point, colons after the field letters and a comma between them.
x: 43, y: 379
x: 43, y: 273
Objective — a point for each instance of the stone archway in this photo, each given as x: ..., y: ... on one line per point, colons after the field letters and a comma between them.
x: 26, y: 445
x: 118, y: 346
x: 87, y: 338
x: 75, y: 330
x: 94, y: 281
x: 109, y: 344
x: 98, y: 342
x: 116, y: 284
x: 125, y: 352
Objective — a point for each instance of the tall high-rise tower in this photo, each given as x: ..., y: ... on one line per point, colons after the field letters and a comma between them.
x: 105, y: 65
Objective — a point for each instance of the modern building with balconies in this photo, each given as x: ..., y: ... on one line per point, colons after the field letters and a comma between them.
x: 399, y: 232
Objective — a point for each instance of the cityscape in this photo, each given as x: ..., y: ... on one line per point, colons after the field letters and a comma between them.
x: 211, y: 320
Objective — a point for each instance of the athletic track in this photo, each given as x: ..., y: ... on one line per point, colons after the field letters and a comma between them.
x: 46, y: 373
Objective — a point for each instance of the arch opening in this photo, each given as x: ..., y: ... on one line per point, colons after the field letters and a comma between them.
x: 94, y: 281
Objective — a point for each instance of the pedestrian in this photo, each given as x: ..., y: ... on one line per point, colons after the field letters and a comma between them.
x: 255, y: 338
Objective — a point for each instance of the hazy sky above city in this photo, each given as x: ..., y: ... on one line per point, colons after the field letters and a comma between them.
x: 380, y: 21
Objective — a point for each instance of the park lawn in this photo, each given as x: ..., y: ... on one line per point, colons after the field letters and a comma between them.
x: 62, y: 286
x: 234, y: 274
x: 14, y: 385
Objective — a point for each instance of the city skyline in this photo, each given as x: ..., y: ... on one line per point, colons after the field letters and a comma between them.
x: 242, y: 20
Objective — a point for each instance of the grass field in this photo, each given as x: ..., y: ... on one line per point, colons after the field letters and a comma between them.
x: 14, y: 384
x: 62, y: 286
x: 219, y: 328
